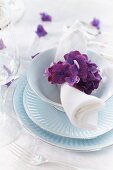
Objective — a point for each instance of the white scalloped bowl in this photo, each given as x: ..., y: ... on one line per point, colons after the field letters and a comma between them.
x: 51, y: 93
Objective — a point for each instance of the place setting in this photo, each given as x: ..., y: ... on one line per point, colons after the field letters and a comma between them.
x: 65, y: 98
x: 56, y: 85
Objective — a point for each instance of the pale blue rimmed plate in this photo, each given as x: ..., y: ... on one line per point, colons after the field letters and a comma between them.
x: 55, y: 121
x: 63, y: 142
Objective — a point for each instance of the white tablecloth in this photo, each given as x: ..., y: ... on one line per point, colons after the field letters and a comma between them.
x: 64, y: 12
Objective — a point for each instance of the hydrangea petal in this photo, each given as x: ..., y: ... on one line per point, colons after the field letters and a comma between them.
x: 45, y: 17
x: 96, y: 23
x: 81, y: 60
x: 41, y: 32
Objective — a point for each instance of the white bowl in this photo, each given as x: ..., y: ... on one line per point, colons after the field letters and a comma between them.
x: 50, y: 93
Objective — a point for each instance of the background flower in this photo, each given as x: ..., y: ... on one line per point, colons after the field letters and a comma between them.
x: 41, y: 32
x: 96, y: 23
x: 45, y: 17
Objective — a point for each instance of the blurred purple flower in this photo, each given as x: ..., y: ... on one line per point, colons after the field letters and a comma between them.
x: 45, y: 17
x: 41, y: 32
x: 2, y: 45
x: 96, y: 23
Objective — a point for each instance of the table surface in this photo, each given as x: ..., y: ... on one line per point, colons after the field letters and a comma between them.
x: 64, y: 12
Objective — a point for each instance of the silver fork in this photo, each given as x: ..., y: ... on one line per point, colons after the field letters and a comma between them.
x: 36, y: 159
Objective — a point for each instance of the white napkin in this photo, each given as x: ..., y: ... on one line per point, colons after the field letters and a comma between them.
x: 81, y: 109
x: 73, y: 39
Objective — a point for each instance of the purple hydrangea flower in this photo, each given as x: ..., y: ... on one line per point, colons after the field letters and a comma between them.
x: 73, y: 78
x: 80, y: 60
x: 41, y: 32
x: 62, y: 72
x: 58, y: 72
x: 2, y: 45
x: 92, y: 80
x: 77, y: 70
x: 45, y: 17
x: 96, y: 23
x: 88, y: 73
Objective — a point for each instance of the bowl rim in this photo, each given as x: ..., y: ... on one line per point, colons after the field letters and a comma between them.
x: 43, y: 97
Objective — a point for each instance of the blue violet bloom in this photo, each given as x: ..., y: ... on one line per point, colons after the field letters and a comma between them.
x: 41, y: 32
x: 45, y: 17
x: 96, y: 23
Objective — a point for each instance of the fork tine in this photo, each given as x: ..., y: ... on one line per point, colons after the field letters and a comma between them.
x: 24, y: 155
x: 24, y: 159
x: 20, y: 152
x: 15, y: 152
x: 20, y: 148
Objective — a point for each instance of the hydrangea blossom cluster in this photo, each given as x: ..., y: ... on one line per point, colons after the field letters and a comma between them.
x: 77, y: 70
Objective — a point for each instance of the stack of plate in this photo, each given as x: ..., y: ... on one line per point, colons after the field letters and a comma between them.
x: 51, y: 125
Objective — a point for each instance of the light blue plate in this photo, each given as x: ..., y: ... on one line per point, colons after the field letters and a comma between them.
x: 63, y: 142
x: 55, y: 121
